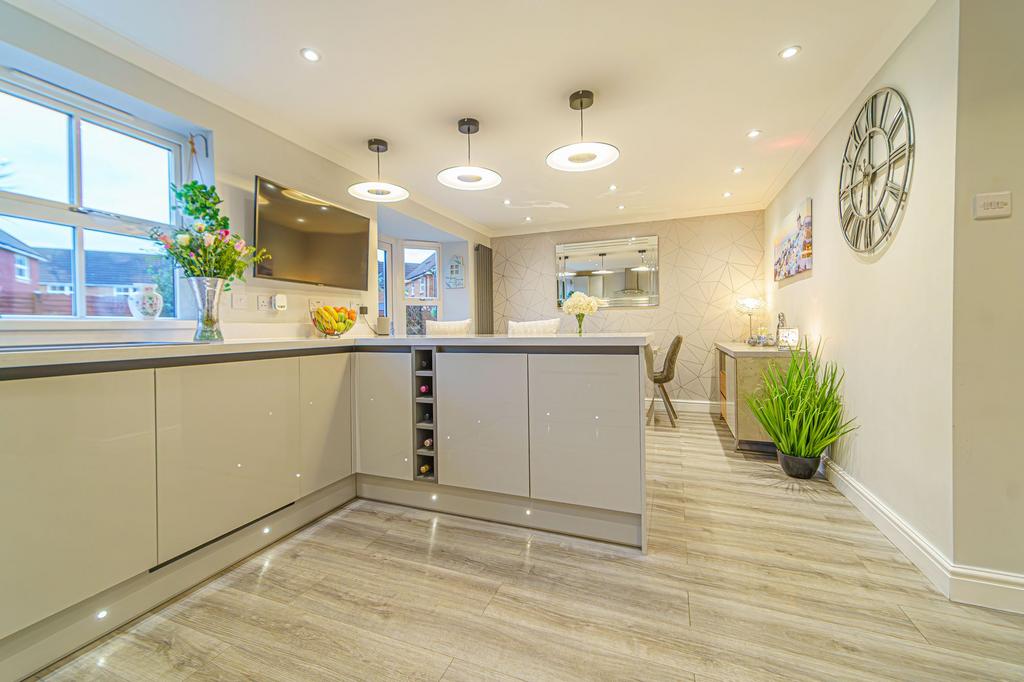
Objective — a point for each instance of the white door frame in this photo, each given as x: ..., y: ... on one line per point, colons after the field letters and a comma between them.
x: 400, y: 281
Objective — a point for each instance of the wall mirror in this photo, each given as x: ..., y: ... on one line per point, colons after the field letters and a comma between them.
x: 621, y: 273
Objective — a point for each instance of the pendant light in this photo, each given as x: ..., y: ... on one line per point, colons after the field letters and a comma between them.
x: 602, y: 271
x: 582, y: 156
x: 565, y: 272
x: 643, y: 267
x: 469, y: 177
x: 380, y: 192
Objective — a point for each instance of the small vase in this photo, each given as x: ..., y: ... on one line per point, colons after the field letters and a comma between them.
x: 208, y: 291
x: 146, y: 303
x: 798, y: 467
x: 579, y: 323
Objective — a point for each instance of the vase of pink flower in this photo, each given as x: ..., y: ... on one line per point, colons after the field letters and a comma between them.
x: 209, y: 254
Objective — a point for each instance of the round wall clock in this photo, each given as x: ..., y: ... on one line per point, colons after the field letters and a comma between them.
x: 877, y: 164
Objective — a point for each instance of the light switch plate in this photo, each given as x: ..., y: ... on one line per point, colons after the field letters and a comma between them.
x: 993, y: 205
x: 239, y: 300
x: 263, y: 303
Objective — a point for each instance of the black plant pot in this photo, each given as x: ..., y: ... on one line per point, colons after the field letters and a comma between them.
x: 798, y: 467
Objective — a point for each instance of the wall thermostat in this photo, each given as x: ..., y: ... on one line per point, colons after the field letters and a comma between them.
x: 279, y: 302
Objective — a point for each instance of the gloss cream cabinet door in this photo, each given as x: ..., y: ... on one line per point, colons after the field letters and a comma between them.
x: 483, y: 422
x: 325, y: 414
x: 227, y: 447
x: 585, y: 430
x: 384, y: 402
x: 77, y: 490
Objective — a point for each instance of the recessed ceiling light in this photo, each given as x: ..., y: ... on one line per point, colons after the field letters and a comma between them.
x: 529, y: 219
x: 323, y: 208
x: 754, y: 133
x: 309, y: 54
x: 726, y: 194
x: 737, y: 170
x: 469, y: 177
x: 790, y: 52
x: 302, y: 220
x: 101, y: 614
x: 621, y: 207
x: 379, y: 192
x: 582, y: 156
x: 507, y: 202
x: 612, y: 188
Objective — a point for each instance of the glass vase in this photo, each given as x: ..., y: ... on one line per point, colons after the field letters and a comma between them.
x: 208, y: 291
x: 579, y: 323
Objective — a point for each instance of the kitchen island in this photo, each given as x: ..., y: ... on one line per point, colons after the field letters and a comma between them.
x: 163, y: 464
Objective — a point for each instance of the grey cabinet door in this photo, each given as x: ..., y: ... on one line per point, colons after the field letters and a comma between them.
x: 384, y: 402
x: 585, y: 430
x: 77, y: 492
x: 483, y: 422
x: 224, y: 461
x: 325, y: 413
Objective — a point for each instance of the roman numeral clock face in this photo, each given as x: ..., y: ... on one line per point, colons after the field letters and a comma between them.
x: 877, y: 164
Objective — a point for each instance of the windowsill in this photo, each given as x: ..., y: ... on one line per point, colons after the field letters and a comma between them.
x: 19, y: 324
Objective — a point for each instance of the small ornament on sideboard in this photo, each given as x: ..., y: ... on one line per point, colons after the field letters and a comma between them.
x: 146, y: 302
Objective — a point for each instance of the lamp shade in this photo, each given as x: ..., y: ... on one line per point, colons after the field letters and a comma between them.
x: 749, y: 306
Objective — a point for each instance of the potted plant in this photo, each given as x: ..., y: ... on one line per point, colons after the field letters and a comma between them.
x: 580, y: 305
x: 210, y: 255
x: 801, y: 410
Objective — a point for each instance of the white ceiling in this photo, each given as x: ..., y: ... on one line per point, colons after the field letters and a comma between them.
x: 678, y: 83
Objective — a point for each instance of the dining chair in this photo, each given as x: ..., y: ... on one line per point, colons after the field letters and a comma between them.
x: 663, y: 376
x: 448, y: 328
x: 534, y: 327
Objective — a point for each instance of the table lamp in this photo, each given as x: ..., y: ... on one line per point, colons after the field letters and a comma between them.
x: 749, y: 306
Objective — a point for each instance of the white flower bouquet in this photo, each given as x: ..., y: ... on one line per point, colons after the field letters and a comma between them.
x: 580, y: 305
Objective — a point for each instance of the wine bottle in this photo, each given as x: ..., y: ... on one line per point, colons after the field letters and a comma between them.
x: 425, y: 469
x: 427, y: 442
x: 424, y: 389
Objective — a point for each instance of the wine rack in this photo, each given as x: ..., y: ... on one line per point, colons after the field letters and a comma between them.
x: 424, y: 429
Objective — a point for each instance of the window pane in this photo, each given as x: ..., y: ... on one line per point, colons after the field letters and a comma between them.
x: 33, y: 149
x: 420, y: 273
x: 382, y: 282
x: 416, y: 317
x: 116, y: 266
x: 36, y: 267
x: 125, y: 175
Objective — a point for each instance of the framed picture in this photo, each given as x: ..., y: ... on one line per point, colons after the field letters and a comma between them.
x: 454, y: 276
x: 794, y: 251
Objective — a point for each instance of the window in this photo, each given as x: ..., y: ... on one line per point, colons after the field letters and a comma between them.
x: 421, y: 300
x: 383, y: 277
x: 21, y: 268
x: 79, y: 192
x: 34, y: 255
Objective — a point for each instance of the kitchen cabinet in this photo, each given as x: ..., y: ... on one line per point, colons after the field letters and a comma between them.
x: 325, y: 418
x: 384, y: 414
x: 483, y: 421
x: 586, y: 444
x: 77, y: 492
x: 227, y: 440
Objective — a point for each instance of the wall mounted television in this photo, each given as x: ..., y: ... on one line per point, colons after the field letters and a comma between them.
x: 310, y: 240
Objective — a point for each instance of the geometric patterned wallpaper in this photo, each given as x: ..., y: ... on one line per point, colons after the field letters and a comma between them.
x: 705, y: 264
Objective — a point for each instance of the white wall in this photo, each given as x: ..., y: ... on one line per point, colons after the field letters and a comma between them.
x: 887, y: 320
x: 988, y: 373
x: 241, y: 150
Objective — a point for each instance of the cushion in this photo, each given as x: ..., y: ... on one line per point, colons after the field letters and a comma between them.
x: 451, y: 328
x: 534, y: 328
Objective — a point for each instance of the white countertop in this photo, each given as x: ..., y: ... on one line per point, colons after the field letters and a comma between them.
x: 30, y: 357
x: 741, y: 349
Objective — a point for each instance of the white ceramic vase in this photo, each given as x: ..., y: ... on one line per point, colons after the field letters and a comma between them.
x: 146, y: 303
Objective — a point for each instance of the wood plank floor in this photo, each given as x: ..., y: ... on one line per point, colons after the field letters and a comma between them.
x: 751, y: 575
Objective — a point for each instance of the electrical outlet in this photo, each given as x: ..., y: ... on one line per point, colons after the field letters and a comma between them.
x: 315, y: 303
x: 263, y: 303
x: 239, y: 300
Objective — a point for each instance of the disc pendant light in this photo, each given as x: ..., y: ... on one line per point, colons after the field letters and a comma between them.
x: 380, y: 192
x: 582, y: 156
x: 603, y: 270
x: 469, y: 177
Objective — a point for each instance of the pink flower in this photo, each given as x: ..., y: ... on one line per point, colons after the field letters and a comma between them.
x: 165, y: 240
x: 224, y: 234
x: 240, y: 246
x: 208, y: 239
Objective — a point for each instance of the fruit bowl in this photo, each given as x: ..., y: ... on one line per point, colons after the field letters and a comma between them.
x: 332, y: 321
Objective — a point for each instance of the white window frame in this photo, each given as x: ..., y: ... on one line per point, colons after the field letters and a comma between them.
x: 65, y: 289
x: 389, y: 295
x: 416, y: 300
x: 21, y: 264
x: 78, y: 216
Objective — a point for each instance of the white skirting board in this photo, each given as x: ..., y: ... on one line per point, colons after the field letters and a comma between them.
x: 701, y: 406
x: 965, y: 584
x: 49, y: 640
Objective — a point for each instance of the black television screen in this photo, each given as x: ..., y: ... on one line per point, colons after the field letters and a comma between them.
x: 310, y: 240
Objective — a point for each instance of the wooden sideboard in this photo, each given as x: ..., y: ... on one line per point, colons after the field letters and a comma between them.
x: 740, y: 368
